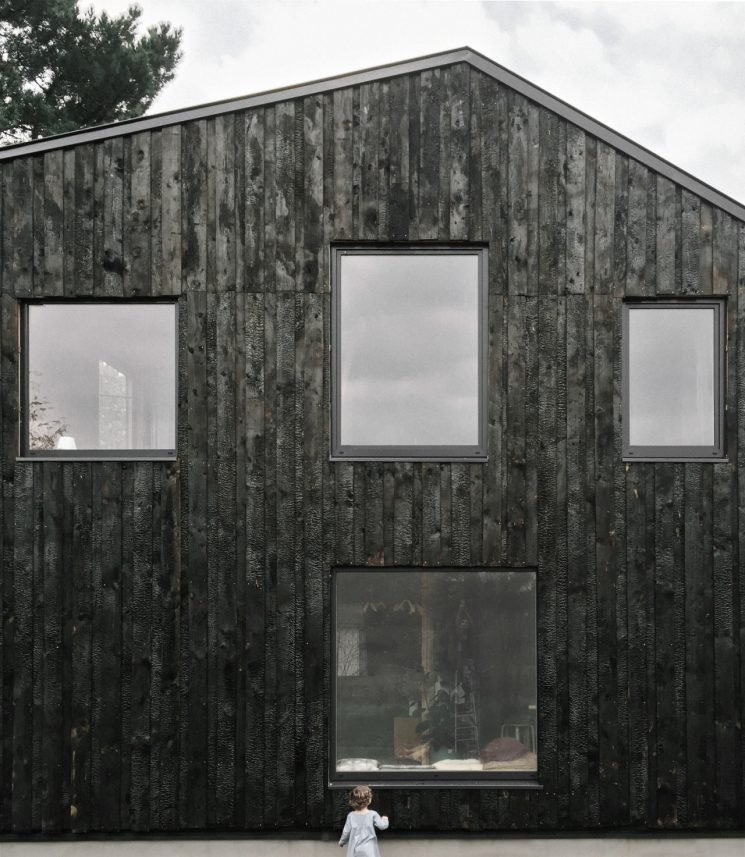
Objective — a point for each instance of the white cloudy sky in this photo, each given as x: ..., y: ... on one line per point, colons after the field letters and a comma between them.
x: 670, y: 75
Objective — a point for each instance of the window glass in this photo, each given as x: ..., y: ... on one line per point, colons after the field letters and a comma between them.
x: 101, y: 377
x: 408, y: 362
x: 673, y: 365
x: 671, y: 375
x: 435, y: 673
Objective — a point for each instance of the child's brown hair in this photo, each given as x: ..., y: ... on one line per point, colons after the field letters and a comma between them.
x: 360, y: 797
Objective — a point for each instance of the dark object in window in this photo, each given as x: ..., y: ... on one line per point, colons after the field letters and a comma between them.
x: 673, y: 379
x: 409, y: 346
x: 99, y: 379
x: 434, y: 676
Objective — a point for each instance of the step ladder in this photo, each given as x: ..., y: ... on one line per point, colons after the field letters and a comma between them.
x: 466, y: 743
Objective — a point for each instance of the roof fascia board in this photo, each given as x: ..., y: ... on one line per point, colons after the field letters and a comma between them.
x: 426, y: 63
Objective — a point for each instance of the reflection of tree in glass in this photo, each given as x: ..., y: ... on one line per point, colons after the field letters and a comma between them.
x: 43, y: 430
x: 347, y: 652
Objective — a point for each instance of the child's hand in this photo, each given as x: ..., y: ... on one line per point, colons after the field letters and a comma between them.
x: 384, y: 817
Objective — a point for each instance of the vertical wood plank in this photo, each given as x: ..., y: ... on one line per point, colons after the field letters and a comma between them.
x: 253, y: 501
x: 165, y: 642
x: 224, y: 556
x: 549, y: 648
x: 225, y: 207
x: 315, y: 723
x: 18, y: 243
x: 193, y: 777
x: 575, y: 210
x: 398, y: 176
x: 670, y: 784
x: 691, y: 243
x: 313, y: 212
x: 284, y: 200
x: 53, y: 277
x: 578, y: 367
x: 253, y: 241
x: 493, y: 183
x: 114, y: 263
x: 429, y: 155
x: 194, y: 210
x: 549, y: 234
x: 666, y: 226
x: 36, y: 205
x: 604, y: 218
x: 272, y: 736
x: 106, y: 655
x: 169, y: 282
x: 458, y: 94
x: 22, y: 651
x: 141, y: 609
x: 637, y: 283
x: 699, y: 660
x: 54, y: 741
x: 343, y: 163
x: 517, y: 180
x: 515, y: 443
x: 727, y: 739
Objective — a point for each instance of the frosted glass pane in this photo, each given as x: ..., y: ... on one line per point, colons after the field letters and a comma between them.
x: 672, y: 376
x: 409, y: 367
x: 102, y: 376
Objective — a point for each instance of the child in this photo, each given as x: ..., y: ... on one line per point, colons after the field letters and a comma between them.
x: 359, y: 829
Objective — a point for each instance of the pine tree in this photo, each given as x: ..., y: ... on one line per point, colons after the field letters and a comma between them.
x: 62, y: 69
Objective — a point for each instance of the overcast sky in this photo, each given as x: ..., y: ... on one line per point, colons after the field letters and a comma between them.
x: 670, y: 75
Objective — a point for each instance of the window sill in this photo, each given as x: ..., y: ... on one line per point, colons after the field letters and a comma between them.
x: 650, y: 459
x: 77, y: 459
x: 444, y: 783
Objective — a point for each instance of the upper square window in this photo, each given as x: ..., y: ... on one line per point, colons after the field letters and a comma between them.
x: 99, y: 379
x: 673, y: 374
x: 409, y: 342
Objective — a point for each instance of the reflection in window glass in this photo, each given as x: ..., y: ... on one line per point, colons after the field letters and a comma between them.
x: 672, y: 375
x: 114, y: 400
x: 435, y: 671
x: 408, y: 361
x: 101, y: 377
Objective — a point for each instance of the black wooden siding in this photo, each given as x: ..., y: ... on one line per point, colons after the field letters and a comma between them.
x: 165, y: 642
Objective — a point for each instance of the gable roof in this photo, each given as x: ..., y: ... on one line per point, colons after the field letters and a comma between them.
x: 438, y: 60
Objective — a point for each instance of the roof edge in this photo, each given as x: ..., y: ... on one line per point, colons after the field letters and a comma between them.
x: 424, y: 63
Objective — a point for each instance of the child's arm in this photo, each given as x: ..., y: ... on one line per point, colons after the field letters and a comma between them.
x: 345, y: 833
x: 380, y: 821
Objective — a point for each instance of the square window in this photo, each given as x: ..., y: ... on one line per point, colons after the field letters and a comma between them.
x: 673, y: 374
x: 434, y: 676
x: 409, y: 341
x: 99, y: 379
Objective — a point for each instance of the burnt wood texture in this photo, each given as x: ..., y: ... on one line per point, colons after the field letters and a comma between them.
x: 165, y: 625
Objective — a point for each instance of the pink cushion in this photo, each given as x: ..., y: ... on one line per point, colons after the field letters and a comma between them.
x: 503, y: 750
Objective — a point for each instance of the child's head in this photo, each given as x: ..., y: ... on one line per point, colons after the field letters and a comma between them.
x: 360, y: 797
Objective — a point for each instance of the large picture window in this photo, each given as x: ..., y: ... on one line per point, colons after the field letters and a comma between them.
x: 409, y: 353
x: 674, y: 370
x: 100, y: 379
x: 434, y: 676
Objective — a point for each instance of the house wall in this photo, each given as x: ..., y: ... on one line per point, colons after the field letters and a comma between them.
x: 165, y: 637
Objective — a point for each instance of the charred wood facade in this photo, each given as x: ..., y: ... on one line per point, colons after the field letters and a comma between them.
x: 165, y: 624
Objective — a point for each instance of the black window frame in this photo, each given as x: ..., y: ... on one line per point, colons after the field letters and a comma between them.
x: 25, y: 453
x: 444, y: 453
x: 681, y: 453
x: 518, y: 780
